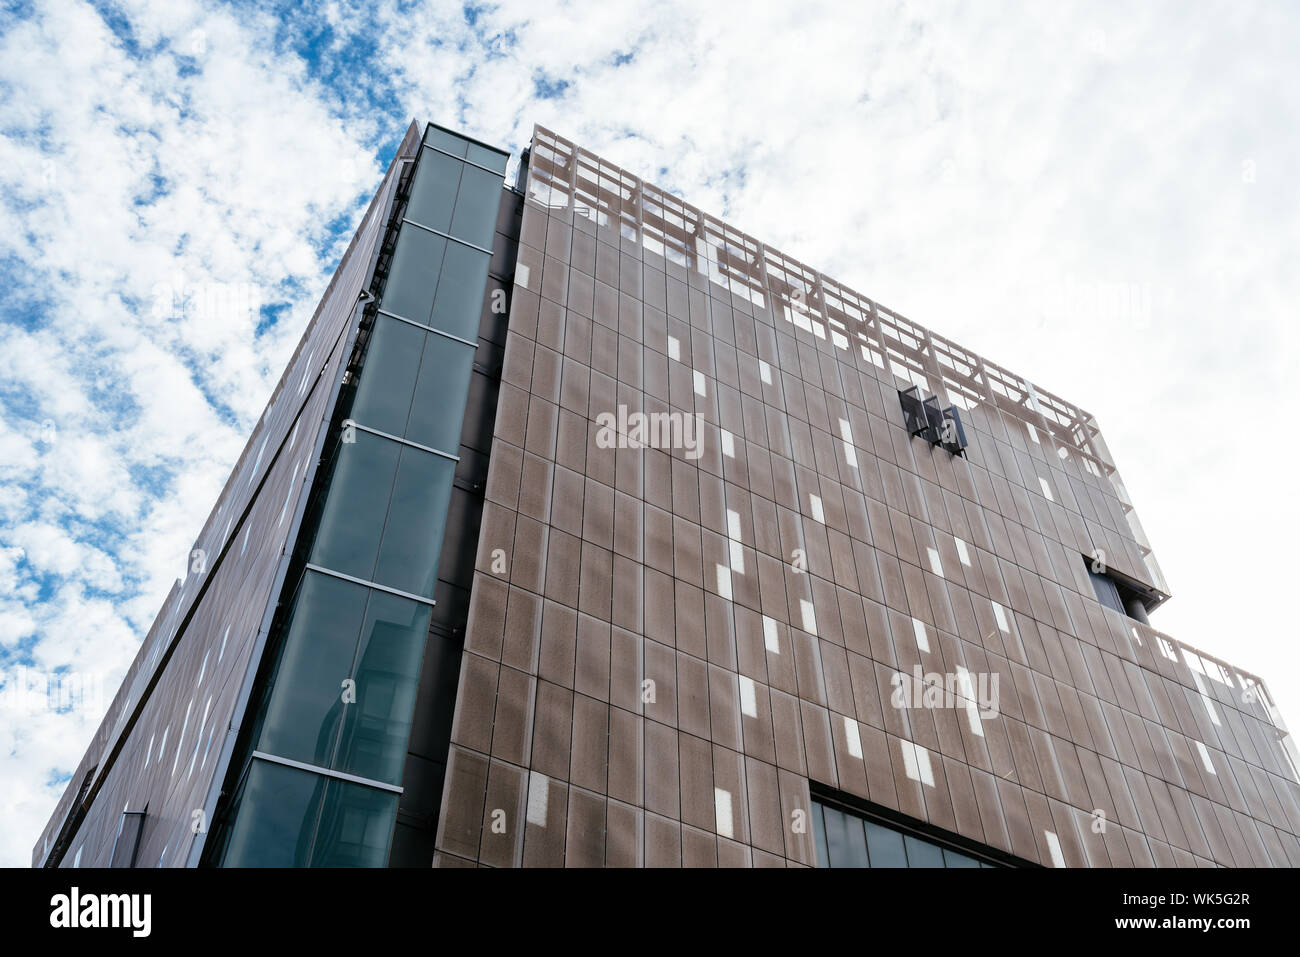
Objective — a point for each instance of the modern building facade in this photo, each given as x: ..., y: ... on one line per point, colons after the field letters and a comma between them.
x: 586, y: 530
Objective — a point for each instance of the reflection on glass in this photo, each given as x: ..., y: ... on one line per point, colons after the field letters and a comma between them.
x: 459, y: 303
x: 388, y: 376
x: 377, y: 726
x: 356, y: 826
x: 845, y: 842
x: 413, y: 276
x: 438, y: 408
x: 922, y: 853
x: 844, y: 839
x: 433, y: 193
x: 445, y: 141
x: 475, y: 218
x: 302, y: 714
x: 885, y: 846
x: 352, y: 520
x: 417, y: 518
x: 486, y: 157
x: 276, y: 817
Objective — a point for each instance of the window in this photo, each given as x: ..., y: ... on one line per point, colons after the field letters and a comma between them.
x: 848, y: 838
x: 356, y: 826
x: 302, y: 715
x: 413, y: 277
x: 347, y: 538
x: 344, y: 632
x: 387, y: 379
x: 294, y: 818
x: 127, y: 844
x: 385, y: 514
x: 923, y: 417
x: 433, y: 193
x: 1119, y: 592
x: 386, y: 669
x: 1107, y: 592
x: 277, y: 812
x: 475, y: 217
x: 458, y: 303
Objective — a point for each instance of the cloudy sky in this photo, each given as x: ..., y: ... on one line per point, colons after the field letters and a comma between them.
x: 1101, y: 197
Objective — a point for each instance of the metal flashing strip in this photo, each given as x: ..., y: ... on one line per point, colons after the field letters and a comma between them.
x: 421, y: 325
x: 369, y: 584
x: 396, y: 438
x: 327, y: 772
x: 439, y: 232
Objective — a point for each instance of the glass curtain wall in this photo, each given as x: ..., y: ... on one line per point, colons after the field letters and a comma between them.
x: 323, y: 774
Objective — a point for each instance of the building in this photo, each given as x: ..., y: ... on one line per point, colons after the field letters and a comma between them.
x: 586, y: 530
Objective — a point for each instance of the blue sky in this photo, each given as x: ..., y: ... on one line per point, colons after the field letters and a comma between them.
x: 1100, y: 197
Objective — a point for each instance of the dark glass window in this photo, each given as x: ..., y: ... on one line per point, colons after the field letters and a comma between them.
x: 414, y: 385
x: 885, y: 846
x: 819, y: 833
x: 433, y: 193
x: 385, y: 514
x: 848, y: 839
x: 445, y: 141
x: 487, y: 157
x: 844, y: 837
x: 293, y: 818
x: 417, y: 518
x: 1106, y: 591
x: 352, y: 520
x: 388, y: 376
x: 377, y: 726
x: 475, y: 218
x: 922, y: 853
x: 277, y: 816
x: 356, y: 826
x: 303, y: 713
x: 459, y: 302
x: 1119, y: 592
x: 441, y: 390
x: 413, y: 277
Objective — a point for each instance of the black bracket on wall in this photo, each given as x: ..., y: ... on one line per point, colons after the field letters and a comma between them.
x: 924, y: 418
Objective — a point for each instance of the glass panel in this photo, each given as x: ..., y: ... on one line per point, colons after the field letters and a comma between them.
x: 377, y: 726
x: 475, y: 219
x: 306, y: 702
x: 433, y: 194
x: 834, y: 821
x: 819, y: 833
x: 275, y: 819
x: 388, y: 376
x: 922, y: 853
x: 413, y: 276
x: 417, y: 518
x: 356, y: 826
x: 846, y: 845
x: 855, y: 842
x: 954, y: 859
x: 486, y: 157
x: 356, y: 503
x: 1106, y: 591
x: 885, y: 846
x: 445, y: 141
x: 438, y: 410
x: 459, y: 301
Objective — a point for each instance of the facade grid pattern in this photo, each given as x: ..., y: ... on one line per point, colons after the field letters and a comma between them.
x: 675, y: 647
